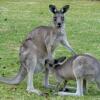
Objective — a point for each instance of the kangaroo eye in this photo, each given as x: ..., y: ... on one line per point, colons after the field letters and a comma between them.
x: 62, y: 18
x: 55, y: 18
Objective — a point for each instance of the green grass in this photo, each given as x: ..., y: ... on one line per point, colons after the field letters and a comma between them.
x: 18, y: 17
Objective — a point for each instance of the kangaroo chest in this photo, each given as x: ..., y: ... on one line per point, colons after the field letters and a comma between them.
x: 54, y: 45
x: 55, y: 41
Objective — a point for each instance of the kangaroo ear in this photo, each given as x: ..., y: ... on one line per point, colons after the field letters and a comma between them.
x: 64, y: 9
x: 53, y: 8
x: 55, y: 61
x: 60, y: 61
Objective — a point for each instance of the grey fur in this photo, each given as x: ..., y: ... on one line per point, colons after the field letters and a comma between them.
x: 81, y: 68
x: 39, y: 45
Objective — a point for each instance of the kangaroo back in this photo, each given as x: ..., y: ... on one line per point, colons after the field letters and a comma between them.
x: 86, y: 66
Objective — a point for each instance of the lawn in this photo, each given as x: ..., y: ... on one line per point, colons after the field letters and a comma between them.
x: 19, y: 17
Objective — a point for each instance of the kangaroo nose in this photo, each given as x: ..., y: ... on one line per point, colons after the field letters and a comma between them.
x: 59, y: 24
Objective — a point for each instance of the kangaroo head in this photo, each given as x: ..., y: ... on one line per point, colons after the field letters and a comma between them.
x: 58, y: 17
x: 55, y: 63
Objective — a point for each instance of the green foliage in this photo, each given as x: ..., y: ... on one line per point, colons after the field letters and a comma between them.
x: 19, y: 17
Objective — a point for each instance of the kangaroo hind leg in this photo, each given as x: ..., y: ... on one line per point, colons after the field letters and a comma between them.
x: 31, y: 63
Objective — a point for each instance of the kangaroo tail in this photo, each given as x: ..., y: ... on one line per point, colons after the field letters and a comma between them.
x: 17, y: 79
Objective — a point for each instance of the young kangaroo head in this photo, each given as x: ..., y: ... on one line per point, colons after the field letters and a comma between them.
x: 55, y: 63
x: 58, y: 17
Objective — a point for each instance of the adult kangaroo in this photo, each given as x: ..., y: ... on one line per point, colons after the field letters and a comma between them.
x: 39, y: 45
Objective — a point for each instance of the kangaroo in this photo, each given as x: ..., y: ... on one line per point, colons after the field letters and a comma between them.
x: 39, y: 45
x: 79, y: 67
